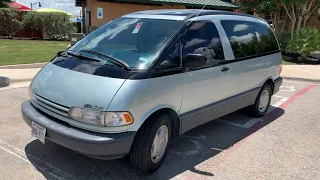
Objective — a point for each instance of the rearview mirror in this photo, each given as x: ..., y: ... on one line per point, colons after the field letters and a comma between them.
x: 194, y: 60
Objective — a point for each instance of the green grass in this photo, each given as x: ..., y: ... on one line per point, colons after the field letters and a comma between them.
x: 286, y: 60
x: 28, y: 51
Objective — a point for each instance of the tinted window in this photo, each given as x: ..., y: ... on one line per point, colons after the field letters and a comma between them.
x: 203, y: 38
x: 173, y: 58
x: 242, y: 38
x: 267, y: 41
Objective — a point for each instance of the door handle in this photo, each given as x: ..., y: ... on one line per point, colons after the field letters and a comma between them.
x: 225, y: 69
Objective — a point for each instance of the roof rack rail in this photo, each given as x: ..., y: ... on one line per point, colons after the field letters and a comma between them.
x: 218, y: 12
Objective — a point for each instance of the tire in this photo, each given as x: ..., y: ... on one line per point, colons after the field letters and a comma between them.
x: 140, y: 154
x: 255, y: 110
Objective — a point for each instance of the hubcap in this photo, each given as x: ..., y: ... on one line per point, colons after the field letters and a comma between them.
x: 264, y: 100
x: 160, y: 143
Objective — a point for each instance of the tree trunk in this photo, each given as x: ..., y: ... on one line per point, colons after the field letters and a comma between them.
x: 299, y: 22
x: 310, y: 12
x: 304, y: 22
x: 292, y: 28
x: 284, y: 23
x: 291, y: 14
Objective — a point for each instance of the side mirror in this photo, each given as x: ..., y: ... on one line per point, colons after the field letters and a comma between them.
x: 60, y: 53
x: 194, y: 60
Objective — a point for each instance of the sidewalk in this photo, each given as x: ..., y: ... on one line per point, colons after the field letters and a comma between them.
x: 294, y: 72
x: 19, y: 75
x: 301, y: 72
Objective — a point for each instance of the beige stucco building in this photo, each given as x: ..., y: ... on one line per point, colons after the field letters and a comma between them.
x: 99, y: 12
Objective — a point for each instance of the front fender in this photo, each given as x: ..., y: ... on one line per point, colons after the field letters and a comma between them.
x: 152, y: 111
x: 144, y: 97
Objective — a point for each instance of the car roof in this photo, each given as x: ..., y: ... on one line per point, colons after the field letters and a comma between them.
x: 182, y: 14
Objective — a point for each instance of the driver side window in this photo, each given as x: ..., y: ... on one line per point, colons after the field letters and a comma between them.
x: 203, y: 38
x: 173, y: 58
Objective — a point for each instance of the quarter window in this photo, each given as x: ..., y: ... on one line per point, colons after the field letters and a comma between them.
x: 266, y: 38
x: 203, y: 38
x: 242, y: 38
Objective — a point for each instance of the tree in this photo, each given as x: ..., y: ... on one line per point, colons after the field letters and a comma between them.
x: 4, y: 3
x: 272, y: 7
x: 299, y: 11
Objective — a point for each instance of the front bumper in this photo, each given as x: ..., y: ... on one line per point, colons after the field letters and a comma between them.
x: 277, y: 84
x: 97, y: 145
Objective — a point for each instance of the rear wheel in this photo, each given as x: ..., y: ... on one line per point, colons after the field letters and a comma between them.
x: 151, y: 144
x: 262, y: 103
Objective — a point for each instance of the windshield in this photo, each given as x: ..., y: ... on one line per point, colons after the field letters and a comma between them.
x: 133, y: 41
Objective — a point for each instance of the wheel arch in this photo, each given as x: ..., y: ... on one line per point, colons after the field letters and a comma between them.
x: 270, y: 82
x: 175, y: 119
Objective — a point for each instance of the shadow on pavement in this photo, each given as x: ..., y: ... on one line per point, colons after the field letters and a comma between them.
x: 185, y: 153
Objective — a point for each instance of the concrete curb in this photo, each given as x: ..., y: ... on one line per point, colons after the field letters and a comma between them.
x: 24, y: 66
x: 20, y: 80
x: 301, y: 79
x: 4, y: 82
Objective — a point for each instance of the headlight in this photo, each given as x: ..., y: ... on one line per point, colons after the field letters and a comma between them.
x: 32, y: 95
x: 87, y: 116
x: 101, y: 118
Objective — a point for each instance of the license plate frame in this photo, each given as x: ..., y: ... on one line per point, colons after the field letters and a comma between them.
x: 38, y: 131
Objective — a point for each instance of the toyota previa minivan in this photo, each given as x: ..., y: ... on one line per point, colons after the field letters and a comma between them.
x: 131, y: 86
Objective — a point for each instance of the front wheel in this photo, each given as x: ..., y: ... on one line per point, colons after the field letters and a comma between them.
x: 262, y: 103
x: 151, y: 144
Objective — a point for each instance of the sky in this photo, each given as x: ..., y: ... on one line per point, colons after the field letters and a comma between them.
x: 65, y: 5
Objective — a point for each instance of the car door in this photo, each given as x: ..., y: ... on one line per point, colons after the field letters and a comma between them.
x: 248, y: 68
x: 206, y: 87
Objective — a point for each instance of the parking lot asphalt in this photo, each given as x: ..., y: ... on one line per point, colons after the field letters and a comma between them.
x: 285, y: 144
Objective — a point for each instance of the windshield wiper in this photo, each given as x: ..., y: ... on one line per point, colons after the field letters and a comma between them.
x: 118, y: 61
x: 76, y: 54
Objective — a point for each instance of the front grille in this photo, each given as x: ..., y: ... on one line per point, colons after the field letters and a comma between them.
x: 51, y: 106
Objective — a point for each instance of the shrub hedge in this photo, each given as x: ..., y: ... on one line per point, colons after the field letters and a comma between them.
x: 9, y: 23
x: 56, y: 26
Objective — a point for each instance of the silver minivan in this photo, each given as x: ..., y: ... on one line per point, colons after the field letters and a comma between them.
x: 132, y: 85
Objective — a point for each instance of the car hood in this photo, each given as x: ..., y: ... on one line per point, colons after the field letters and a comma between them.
x: 74, y: 89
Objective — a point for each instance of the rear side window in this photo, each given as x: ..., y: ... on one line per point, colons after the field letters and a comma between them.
x: 242, y: 38
x: 203, y: 38
x: 266, y: 38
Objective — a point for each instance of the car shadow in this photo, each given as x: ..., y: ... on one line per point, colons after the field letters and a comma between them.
x: 185, y: 153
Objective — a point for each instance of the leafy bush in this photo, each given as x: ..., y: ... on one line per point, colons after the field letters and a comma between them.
x: 304, y: 42
x: 284, y: 38
x: 56, y: 26
x: 9, y: 23
x: 32, y: 20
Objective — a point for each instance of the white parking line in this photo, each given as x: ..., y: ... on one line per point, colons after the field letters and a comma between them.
x: 287, y: 88
x: 41, y: 165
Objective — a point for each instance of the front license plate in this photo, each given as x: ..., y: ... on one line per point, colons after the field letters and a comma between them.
x: 38, y: 131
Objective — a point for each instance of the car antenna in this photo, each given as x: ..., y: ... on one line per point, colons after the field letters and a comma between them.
x: 201, y: 10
